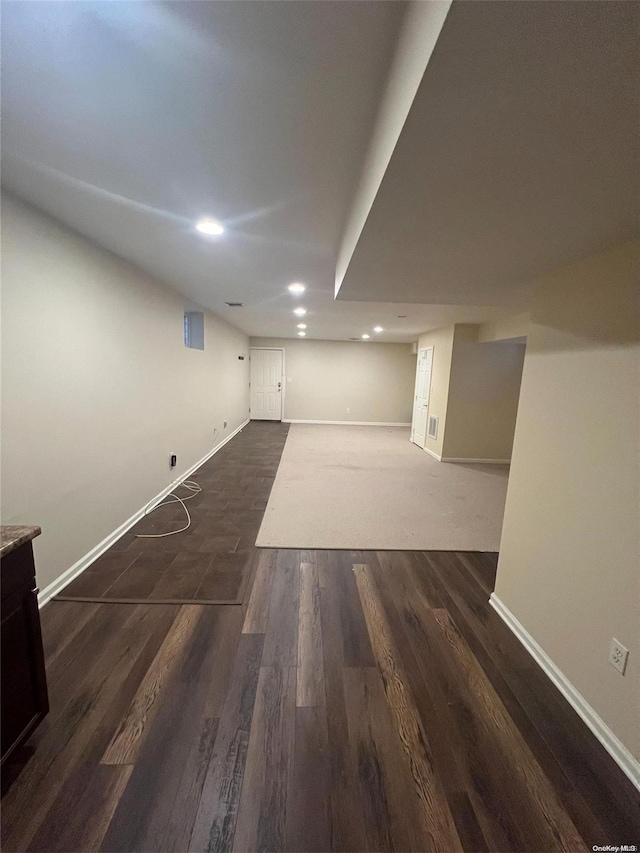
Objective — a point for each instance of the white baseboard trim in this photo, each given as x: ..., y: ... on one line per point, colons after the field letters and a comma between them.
x: 84, y: 562
x: 345, y: 423
x: 475, y: 461
x: 432, y: 453
x: 620, y: 754
x: 469, y: 461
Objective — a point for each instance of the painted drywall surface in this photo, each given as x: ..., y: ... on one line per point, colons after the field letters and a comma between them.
x: 417, y: 38
x: 484, y: 389
x: 569, y: 566
x: 442, y: 342
x: 98, y: 388
x: 474, y: 393
x: 325, y: 378
x: 516, y: 326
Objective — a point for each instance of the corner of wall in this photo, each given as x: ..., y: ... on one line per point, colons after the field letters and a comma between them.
x: 568, y: 566
x: 442, y: 342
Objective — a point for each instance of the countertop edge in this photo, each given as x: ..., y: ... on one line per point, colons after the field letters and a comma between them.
x: 13, y: 536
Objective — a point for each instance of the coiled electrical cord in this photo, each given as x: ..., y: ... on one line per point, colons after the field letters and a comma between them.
x: 192, y: 487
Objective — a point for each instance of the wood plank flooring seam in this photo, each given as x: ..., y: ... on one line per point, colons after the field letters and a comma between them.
x: 125, y: 744
x: 437, y: 817
x: 225, y: 519
x: 423, y: 727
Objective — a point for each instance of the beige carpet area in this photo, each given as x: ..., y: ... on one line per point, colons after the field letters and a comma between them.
x: 369, y: 488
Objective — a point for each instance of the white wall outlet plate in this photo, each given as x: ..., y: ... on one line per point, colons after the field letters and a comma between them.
x: 618, y: 656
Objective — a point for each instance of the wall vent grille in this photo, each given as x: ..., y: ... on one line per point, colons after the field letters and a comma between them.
x: 432, y: 432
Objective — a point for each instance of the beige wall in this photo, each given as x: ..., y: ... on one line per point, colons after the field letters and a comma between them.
x: 569, y: 567
x: 516, y: 326
x: 98, y: 388
x: 416, y: 40
x: 442, y: 342
x: 325, y: 378
x: 484, y: 389
x: 474, y: 393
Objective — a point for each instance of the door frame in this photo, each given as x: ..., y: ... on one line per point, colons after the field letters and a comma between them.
x: 415, y: 395
x: 283, y: 379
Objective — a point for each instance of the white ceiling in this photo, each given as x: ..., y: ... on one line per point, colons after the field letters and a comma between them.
x: 129, y: 120
x: 341, y: 321
x: 521, y: 151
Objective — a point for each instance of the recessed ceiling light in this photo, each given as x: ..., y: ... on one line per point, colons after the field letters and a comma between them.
x: 300, y: 311
x: 366, y: 337
x: 297, y: 287
x: 210, y: 227
x: 378, y: 329
x: 302, y: 325
x: 302, y: 334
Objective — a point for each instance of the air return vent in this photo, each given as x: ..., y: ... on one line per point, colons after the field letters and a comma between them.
x: 432, y: 432
x: 235, y: 304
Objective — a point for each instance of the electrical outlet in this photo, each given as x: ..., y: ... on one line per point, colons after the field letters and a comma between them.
x: 348, y: 411
x: 618, y: 656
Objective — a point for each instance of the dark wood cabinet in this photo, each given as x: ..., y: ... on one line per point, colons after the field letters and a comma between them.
x: 24, y: 687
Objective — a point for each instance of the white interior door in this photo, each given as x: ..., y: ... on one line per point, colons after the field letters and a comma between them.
x: 421, y: 399
x: 265, y: 398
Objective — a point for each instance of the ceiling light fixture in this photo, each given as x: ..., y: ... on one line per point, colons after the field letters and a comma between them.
x: 302, y: 334
x: 302, y: 325
x: 378, y: 329
x: 210, y: 227
x: 297, y: 287
x: 300, y: 311
x: 366, y: 337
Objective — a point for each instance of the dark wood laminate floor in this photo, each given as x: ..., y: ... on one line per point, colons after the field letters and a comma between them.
x: 354, y: 701
x: 357, y: 701
x: 212, y: 560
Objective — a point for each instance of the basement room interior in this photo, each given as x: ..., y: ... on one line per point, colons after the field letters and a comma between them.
x: 320, y: 495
